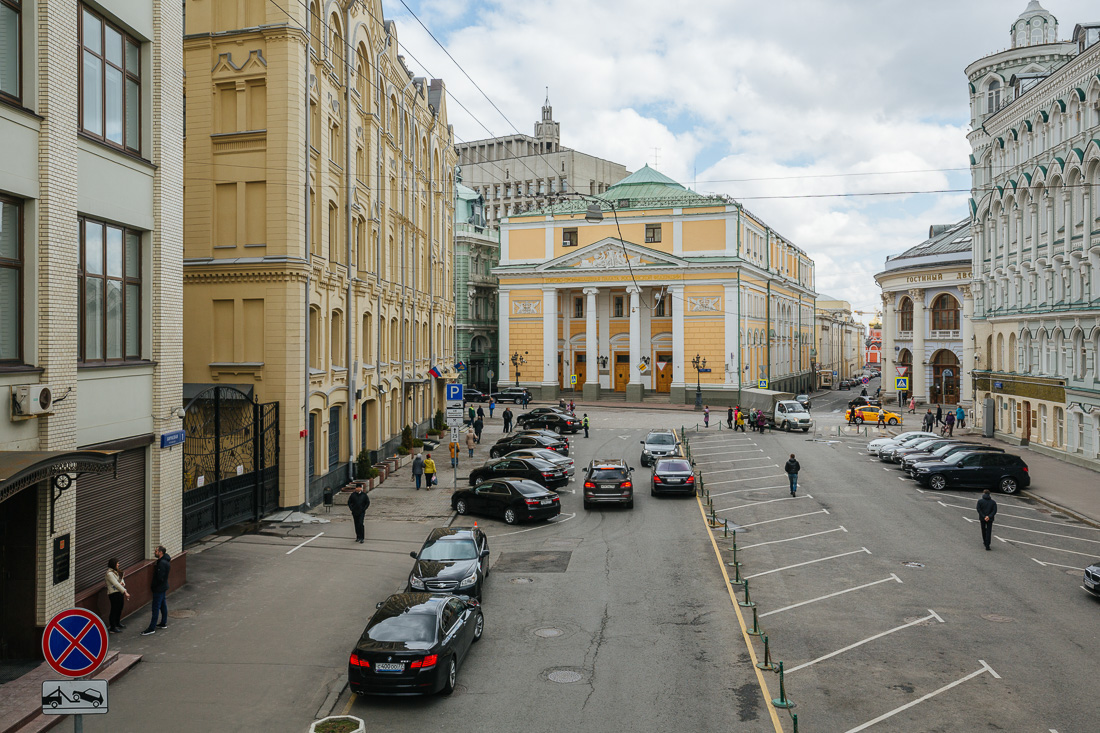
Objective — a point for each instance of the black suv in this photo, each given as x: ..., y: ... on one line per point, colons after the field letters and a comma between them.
x: 470, y: 394
x: 514, y: 395
x: 512, y: 442
x: 982, y: 470
x: 608, y: 482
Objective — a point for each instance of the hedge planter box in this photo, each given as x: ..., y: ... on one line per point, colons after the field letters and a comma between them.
x: 338, y: 724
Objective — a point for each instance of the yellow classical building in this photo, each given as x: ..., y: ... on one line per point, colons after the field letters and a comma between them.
x: 626, y: 304
x: 319, y: 199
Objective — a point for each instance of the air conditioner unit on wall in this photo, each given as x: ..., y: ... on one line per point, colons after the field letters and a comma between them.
x: 31, y: 399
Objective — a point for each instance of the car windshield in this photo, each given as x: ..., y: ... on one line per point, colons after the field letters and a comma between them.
x: 404, y: 627
x: 608, y: 474
x: 540, y: 464
x: 945, y: 449
x: 673, y: 466
x: 449, y: 550
x: 956, y: 457
x: 660, y: 439
x: 802, y: 397
x: 528, y: 488
x: 794, y: 407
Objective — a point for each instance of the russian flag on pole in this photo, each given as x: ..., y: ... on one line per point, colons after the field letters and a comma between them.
x: 434, y: 371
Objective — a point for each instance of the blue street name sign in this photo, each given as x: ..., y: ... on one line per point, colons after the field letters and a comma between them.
x: 176, y: 437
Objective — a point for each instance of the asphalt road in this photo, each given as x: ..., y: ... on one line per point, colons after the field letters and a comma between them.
x: 631, y: 601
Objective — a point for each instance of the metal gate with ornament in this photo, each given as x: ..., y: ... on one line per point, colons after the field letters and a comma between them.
x: 230, y: 461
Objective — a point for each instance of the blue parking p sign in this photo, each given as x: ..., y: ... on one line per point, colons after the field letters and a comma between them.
x: 454, y: 392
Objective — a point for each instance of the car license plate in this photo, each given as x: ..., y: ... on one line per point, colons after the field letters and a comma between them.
x: 1089, y: 583
x: 389, y: 666
x: 607, y: 486
x: 674, y: 480
x: 546, y: 501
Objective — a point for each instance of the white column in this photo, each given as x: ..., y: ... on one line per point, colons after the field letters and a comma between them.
x: 919, y: 378
x: 635, y: 333
x: 591, y: 338
x: 676, y: 302
x: 966, y: 381
x: 732, y: 307
x: 549, y: 337
x: 603, y: 309
x: 889, y: 323
x: 504, y: 314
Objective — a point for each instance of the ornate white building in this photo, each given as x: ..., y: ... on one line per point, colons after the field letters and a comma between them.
x: 1036, y: 255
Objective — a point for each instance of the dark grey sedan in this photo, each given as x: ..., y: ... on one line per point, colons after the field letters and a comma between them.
x: 672, y: 476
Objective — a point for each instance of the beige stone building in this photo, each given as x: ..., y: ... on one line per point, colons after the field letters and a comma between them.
x: 838, y: 339
x: 319, y: 281
x: 90, y: 304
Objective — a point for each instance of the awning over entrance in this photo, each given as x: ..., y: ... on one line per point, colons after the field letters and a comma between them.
x: 20, y: 469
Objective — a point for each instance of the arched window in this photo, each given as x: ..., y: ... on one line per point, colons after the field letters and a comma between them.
x: 905, y: 315
x: 1036, y: 35
x: 367, y: 349
x: 945, y: 377
x: 993, y: 97
x: 1011, y: 364
x: 314, y: 337
x: 315, y: 29
x: 999, y: 360
x: 945, y: 313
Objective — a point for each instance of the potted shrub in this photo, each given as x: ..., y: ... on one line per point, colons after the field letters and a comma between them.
x: 438, y: 422
x: 417, y: 446
x: 338, y: 724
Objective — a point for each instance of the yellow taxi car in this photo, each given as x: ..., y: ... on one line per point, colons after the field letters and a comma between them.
x: 870, y: 414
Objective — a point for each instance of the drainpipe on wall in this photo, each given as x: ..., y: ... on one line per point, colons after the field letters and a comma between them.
x: 353, y: 365
x: 404, y: 289
x: 431, y: 276
x: 309, y: 274
x: 378, y: 107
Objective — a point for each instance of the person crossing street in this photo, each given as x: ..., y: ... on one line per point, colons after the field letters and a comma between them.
x: 506, y: 416
x: 358, y: 503
x: 791, y: 468
x: 987, y: 510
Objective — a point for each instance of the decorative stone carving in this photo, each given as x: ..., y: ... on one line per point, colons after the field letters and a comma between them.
x: 607, y: 259
x: 705, y: 304
x: 526, y: 307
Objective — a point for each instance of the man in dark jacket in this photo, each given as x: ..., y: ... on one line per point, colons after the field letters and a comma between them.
x: 161, y: 570
x: 479, y: 425
x: 507, y: 417
x: 939, y: 414
x: 729, y: 418
x: 792, y: 468
x: 358, y: 503
x: 987, y: 510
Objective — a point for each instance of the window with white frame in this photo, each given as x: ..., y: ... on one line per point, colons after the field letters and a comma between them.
x: 11, y: 50
x: 110, y: 83
x: 11, y: 280
x: 110, y: 291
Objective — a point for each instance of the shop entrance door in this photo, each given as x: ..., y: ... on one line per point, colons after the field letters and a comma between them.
x: 664, y: 372
x: 581, y: 369
x: 622, y: 371
x: 19, y: 638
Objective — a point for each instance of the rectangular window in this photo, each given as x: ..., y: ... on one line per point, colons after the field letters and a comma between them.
x: 659, y: 311
x: 11, y: 281
x: 652, y: 233
x: 578, y: 307
x: 11, y: 49
x: 569, y: 238
x: 110, y: 291
x: 110, y: 83
x: 618, y: 306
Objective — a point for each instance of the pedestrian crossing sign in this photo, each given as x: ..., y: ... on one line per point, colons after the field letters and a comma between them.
x: 573, y: 379
x: 901, y: 383
x: 762, y: 384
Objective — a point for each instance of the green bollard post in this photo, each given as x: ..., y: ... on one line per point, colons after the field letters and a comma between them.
x: 767, y: 663
x: 738, y: 580
x: 755, y: 630
x: 725, y: 529
x: 782, y: 701
x: 748, y: 602
x: 794, y: 719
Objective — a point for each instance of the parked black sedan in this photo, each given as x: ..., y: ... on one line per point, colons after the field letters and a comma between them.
x: 553, y: 409
x: 552, y: 421
x: 532, y: 469
x: 1092, y: 579
x: 672, y: 476
x: 414, y: 644
x: 983, y: 470
x: 469, y: 394
x: 452, y: 560
x: 911, y: 459
x: 514, y: 395
x: 515, y: 441
x: 513, y: 500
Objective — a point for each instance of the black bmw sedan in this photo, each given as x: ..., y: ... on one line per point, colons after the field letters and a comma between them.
x: 414, y: 644
x: 452, y: 560
x: 552, y: 421
x: 513, y: 500
x: 672, y: 476
x: 532, y: 469
x: 516, y: 441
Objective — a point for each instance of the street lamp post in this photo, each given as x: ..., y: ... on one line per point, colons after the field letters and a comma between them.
x: 516, y: 361
x: 700, y: 365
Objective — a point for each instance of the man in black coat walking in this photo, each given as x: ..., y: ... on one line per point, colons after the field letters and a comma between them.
x: 939, y: 414
x: 791, y: 468
x: 479, y: 425
x: 358, y: 503
x: 507, y: 417
x: 161, y: 571
x: 729, y: 418
x: 987, y: 510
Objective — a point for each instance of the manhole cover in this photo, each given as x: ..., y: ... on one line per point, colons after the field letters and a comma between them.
x: 548, y: 633
x: 544, y: 561
x: 911, y: 564
x: 521, y: 581
x: 183, y: 613
x: 997, y: 618
x: 564, y: 676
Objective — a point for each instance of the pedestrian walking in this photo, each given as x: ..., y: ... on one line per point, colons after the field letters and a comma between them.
x: 526, y: 399
x: 706, y: 416
x: 740, y: 421
x: 429, y: 473
x: 912, y: 405
x: 929, y: 419
x: 418, y: 470
x: 882, y: 418
x: 116, y: 594
x: 472, y: 416
x: 454, y: 455
x: 506, y: 416
x: 853, y: 415
x: 584, y: 423
x: 939, y: 414
x: 572, y: 407
x: 492, y: 406
x: 480, y: 413
x: 471, y: 439
x: 479, y: 425
x: 960, y: 417
x: 949, y: 424
x: 159, y: 587
x: 761, y: 421
x: 729, y: 418
x: 358, y: 503
x: 987, y: 510
x: 792, y: 468
x: 561, y: 402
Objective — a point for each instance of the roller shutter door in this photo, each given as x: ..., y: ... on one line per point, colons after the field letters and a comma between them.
x: 110, y: 519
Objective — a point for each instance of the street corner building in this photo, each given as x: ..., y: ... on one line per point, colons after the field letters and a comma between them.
x: 91, y: 222
x: 928, y: 323
x: 838, y: 344
x: 1035, y: 215
x: 318, y: 260
x: 630, y: 290
x: 477, y: 252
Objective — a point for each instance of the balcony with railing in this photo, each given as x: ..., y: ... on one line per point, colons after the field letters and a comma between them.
x: 942, y: 335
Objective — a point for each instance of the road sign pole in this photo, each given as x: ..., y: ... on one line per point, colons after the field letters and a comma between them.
x: 78, y: 723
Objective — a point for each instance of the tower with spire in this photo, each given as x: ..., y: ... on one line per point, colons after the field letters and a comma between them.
x: 548, y: 132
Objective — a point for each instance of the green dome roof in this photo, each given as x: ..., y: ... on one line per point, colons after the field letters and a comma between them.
x: 646, y: 176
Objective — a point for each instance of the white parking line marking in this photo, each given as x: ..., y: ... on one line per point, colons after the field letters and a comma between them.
x: 792, y: 539
x: 1037, y: 531
x: 306, y: 542
x: 742, y: 460
x: 727, y: 452
x: 742, y: 491
x: 831, y: 595
x: 985, y: 668
x: 783, y: 519
x: 971, y: 498
x: 1056, y: 565
x: 1026, y: 519
x: 808, y: 562
x: 1045, y: 547
x: 769, y: 501
x: 746, y: 468
x: 548, y: 523
x: 932, y: 615
x: 751, y: 478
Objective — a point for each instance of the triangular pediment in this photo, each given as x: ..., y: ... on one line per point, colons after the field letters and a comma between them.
x: 612, y: 254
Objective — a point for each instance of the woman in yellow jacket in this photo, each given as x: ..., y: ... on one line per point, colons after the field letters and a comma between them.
x: 429, y: 470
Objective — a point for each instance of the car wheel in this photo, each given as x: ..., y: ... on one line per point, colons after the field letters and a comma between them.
x: 859, y: 419
x: 805, y: 430
x: 893, y: 421
x: 510, y: 516
x: 479, y: 627
x: 460, y: 506
x: 937, y: 483
x: 516, y: 401
x: 95, y: 703
x: 53, y: 703
x: 452, y: 676
x: 786, y: 426
x: 1009, y: 485
x: 652, y: 491
x: 494, y: 453
x: 630, y: 504
x: 557, y: 429
x: 586, y: 505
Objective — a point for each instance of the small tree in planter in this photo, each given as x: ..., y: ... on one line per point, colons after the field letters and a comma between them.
x: 406, y: 438
x: 439, y: 423
x: 338, y: 724
x: 363, y: 465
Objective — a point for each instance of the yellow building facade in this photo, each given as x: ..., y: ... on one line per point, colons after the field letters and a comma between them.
x: 322, y: 282
x: 626, y: 304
